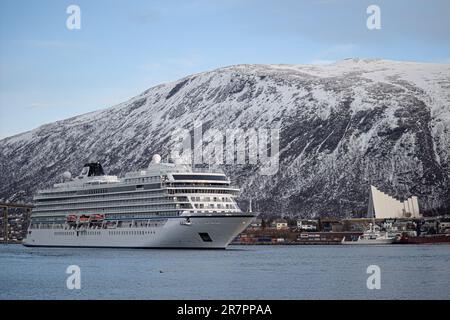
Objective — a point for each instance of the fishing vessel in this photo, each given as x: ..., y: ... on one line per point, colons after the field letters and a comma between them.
x: 166, y: 205
x: 373, y: 235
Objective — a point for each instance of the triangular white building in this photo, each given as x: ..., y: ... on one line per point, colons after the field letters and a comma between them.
x: 381, y: 206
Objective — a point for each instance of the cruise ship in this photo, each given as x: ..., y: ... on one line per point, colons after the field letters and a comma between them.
x: 166, y: 205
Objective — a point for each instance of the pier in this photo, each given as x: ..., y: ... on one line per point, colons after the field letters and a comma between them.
x: 5, y: 207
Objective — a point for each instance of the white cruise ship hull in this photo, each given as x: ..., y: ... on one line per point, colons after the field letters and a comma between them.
x: 202, y: 232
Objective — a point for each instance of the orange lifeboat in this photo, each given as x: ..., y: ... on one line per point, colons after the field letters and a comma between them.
x: 97, y: 217
x: 84, y: 218
x: 72, y: 218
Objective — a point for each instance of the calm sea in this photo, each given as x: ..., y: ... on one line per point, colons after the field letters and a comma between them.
x: 240, y: 272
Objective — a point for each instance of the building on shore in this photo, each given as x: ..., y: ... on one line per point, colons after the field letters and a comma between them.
x: 383, y: 206
x: 257, y: 223
x: 307, y: 224
x: 280, y: 224
x: 444, y: 227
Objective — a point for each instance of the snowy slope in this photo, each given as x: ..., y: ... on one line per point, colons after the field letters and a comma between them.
x: 343, y: 127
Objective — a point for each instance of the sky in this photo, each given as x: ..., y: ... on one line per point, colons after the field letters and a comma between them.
x: 49, y: 72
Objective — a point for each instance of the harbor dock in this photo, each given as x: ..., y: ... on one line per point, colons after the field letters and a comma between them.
x: 333, y: 231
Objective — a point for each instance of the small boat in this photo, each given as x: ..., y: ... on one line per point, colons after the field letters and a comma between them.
x: 373, y: 235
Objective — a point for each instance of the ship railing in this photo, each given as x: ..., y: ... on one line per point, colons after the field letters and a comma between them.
x: 208, y: 170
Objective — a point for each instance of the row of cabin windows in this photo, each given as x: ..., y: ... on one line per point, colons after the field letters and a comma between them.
x: 111, y: 233
x: 91, y: 204
x: 213, y: 199
x: 131, y: 194
x: 142, y: 215
x: 89, y: 233
x: 195, y: 184
x: 46, y: 226
x: 124, y: 209
x: 128, y: 194
x: 72, y: 193
x: 213, y: 206
x: 57, y: 194
x: 65, y: 233
x: 120, y: 224
x: 96, y: 191
x: 124, y: 223
x: 210, y: 211
x: 142, y: 180
x: 89, y: 192
x: 131, y: 233
x: 206, y: 191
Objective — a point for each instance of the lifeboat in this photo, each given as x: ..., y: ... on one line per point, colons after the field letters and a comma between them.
x: 72, y: 218
x: 97, y: 217
x: 84, y: 218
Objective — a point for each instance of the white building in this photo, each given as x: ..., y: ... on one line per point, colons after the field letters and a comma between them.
x: 280, y: 224
x: 382, y: 206
x: 307, y: 225
x: 257, y: 223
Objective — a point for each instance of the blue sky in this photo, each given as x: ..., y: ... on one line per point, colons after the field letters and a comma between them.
x: 48, y: 72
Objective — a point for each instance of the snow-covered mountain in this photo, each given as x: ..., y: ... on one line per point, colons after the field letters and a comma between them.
x: 343, y: 127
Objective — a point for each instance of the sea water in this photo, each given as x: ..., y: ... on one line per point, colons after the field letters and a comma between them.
x: 240, y: 272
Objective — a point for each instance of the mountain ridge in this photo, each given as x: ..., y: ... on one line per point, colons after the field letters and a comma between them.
x: 343, y: 126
